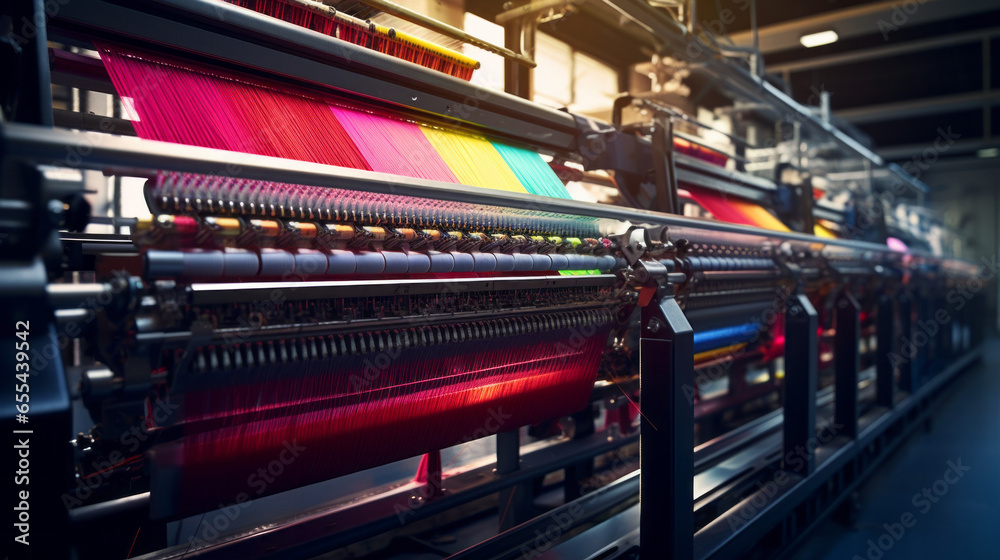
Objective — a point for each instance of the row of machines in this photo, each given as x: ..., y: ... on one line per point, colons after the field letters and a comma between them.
x: 364, y: 318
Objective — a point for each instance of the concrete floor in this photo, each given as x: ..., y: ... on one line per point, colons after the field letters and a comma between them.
x: 960, y: 516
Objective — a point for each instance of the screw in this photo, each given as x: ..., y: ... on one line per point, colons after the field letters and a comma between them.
x: 653, y: 326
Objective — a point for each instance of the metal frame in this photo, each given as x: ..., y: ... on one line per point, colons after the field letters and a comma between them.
x: 270, y: 47
x: 885, y: 380
x: 846, y: 363
x: 232, y: 35
x: 134, y: 156
x: 801, y: 346
x: 666, y: 438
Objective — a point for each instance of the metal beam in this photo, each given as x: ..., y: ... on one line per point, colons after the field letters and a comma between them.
x: 856, y: 21
x: 919, y: 107
x: 906, y: 151
x: 851, y: 57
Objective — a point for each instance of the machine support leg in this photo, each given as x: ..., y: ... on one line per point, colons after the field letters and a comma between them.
x: 907, y: 370
x: 846, y: 363
x: 801, y: 321
x: 430, y: 473
x: 922, y: 340
x: 947, y: 327
x: 515, y: 502
x: 885, y: 370
x: 576, y: 474
x: 666, y: 439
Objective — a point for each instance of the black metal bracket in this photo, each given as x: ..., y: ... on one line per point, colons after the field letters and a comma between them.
x: 664, y: 169
x: 908, y: 374
x: 28, y: 99
x: 661, y: 164
x: 515, y: 502
x: 799, y: 426
x: 920, y: 339
x: 666, y: 439
x: 795, y: 207
x: 886, y: 334
x: 846, y: 363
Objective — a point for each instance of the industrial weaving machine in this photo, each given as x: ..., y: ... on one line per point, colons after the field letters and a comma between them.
x: 363, y: 311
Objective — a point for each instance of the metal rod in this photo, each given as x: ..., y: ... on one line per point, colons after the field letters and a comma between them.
x: 235, y: 292
x: 531, y: 9
x: 445, y: 29
x: 91, y: 122
x: 68, y: 296
x: 135, y: 156
x: 181, y: 338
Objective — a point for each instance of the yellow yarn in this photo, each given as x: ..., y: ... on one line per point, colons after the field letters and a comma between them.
x: 820, y: 231
x: 415, y: 41
x: 474, y: 161
x: 759, y: 216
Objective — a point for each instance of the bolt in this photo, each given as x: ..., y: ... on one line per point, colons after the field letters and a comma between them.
x: 653, y: 326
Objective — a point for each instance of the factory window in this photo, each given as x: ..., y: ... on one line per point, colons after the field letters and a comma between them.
x: 568, y: 78
x: 490, y: 72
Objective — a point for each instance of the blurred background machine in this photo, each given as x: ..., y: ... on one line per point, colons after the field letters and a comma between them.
x: 295, y: 279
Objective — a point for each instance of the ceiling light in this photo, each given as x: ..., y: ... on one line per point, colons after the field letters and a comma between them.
x: 816, y: 39
x: 988, y: 152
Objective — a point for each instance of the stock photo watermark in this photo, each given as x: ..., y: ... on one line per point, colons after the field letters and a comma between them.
x: 899, y: 17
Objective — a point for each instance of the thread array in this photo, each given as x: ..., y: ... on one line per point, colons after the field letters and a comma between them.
x: 358, y: 410
x: 190, y: 104
x: 319, y: 17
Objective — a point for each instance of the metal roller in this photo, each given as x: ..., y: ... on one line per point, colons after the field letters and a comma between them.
x: 574, y: 262
x: 463, y: 262
x: 240, y: 262
x: 342, y: 262
x: 522, y: 262
x: 309, y: 262
x: 418, y: 263
x: 275, y: 262
x: 441, y: 262
x: 484, y: 262
x: 370, y: 262
x: 559, y: 262
x: 540, y: 263
x: 203, y: 264
x: 395, y: 263
x: 505, y: 262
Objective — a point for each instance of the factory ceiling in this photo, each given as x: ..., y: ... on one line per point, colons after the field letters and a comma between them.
x: 903, y: 72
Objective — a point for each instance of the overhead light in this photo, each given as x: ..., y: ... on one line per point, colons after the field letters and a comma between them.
x: 988, y: 152
x: 817, y: 39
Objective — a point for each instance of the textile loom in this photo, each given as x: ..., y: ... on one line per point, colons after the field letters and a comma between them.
x: 361, y: 305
